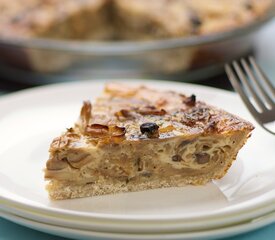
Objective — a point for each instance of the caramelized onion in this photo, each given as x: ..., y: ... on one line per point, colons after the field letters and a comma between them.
x: 97, y: 130
x: 60, y: 142
x: 124, y: 113
x: 151, y: 110
x: 117, y: 131
x: 104, y: 131
x: 167, y: 129
x: 86, y: 113
x: 161, y: 102
x: 120, y: 90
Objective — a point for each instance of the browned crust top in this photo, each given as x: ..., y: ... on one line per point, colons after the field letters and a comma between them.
x: 138, y: 113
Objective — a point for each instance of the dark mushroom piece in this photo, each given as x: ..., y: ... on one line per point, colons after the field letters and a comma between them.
x: 202, y: 158
x: 150, y: 129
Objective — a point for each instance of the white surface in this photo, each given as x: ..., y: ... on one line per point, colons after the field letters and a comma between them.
x: 264, y: 49
x: 82, y: 234
x: 31, y: 119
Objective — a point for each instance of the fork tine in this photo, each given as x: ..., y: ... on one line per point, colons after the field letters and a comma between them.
x: 238, y: 88
x: 247, y: 85
x: 258, y: 86
x: 264, y: 80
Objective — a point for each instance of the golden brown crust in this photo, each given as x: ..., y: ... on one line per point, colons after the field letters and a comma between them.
x: 119, y: 113
x: 132, y: 106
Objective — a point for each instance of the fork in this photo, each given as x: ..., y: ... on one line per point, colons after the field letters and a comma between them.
x: 255, y: 89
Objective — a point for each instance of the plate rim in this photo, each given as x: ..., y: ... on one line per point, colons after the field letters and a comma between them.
x: 228, y: 231
x: 117, y: 226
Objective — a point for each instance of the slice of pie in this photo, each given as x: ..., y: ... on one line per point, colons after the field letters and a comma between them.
x: 136, y: 138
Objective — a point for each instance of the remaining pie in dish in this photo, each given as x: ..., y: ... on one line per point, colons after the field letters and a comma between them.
x: 135, y: 138
x: 70, y: 19
x: 143, y: 19
x: 125, y: 19
x: 119, y: 20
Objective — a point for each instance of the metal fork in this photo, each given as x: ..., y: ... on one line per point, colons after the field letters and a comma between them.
x: 256, y: 91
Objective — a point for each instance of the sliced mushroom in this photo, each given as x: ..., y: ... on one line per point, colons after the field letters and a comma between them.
x: 202, y: 158
x: 55, y: 164
x: 150, y: 129
x: 176, y: 158
x: 190, y: 101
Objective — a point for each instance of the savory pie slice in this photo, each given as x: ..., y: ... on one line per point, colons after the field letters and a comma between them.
x: 136, y: 138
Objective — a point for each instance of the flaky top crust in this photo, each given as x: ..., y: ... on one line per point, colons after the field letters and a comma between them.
x: 118, y: 114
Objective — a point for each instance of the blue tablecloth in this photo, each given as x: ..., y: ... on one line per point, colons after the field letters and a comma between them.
x: 12, y: 231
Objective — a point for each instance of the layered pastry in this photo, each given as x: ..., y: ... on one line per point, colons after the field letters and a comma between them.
x: 125, y: 19
x: 134, y: 138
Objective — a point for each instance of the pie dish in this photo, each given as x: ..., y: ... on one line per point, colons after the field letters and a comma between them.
x: 120, y: 38
x: 135, y: 138
x: 124, y: 19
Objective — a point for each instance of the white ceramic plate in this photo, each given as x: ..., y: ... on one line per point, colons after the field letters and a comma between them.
x: 178, y: 226
x: 31, y: 119
x: 84, y: 234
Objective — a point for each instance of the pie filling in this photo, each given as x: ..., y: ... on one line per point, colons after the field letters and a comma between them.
x: 135, y: 138
x: 130, y: 162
